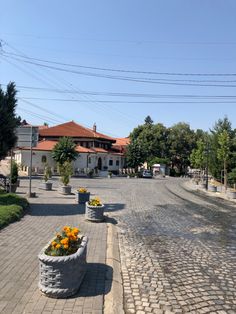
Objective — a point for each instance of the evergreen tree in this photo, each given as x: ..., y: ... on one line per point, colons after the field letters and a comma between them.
x: 8, y: 119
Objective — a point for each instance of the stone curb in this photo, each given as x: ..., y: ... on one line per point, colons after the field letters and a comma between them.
x: 113, y: 300
x: 190, y: 187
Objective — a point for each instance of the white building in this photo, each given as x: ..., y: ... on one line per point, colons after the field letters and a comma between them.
x: 97, y: 151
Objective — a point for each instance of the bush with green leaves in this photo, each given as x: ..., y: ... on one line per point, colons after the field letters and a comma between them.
x: 65, y: 171
x: 14, y: 173
x: 47, y: 173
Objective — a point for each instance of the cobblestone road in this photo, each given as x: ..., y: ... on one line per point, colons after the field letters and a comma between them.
x: 178, y: 249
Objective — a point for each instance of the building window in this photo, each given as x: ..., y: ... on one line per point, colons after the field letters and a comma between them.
x: 44, y: 159
x: 110, y: 162
x: 117, y: 163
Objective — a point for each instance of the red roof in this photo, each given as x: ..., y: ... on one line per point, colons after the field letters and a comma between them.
x: 43, y: 145
x: 72, y: 129
x: 123, y: 141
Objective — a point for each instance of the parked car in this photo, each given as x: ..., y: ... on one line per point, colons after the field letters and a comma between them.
x: 147, y: 174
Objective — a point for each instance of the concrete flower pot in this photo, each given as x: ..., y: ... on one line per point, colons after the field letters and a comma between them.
x: 61, y: 276
x: 94, y: 213
x: 82, y: 198
x: 66, y: 189
x: 231, y: 194
x: 212, y: 188
x: 46, y: 186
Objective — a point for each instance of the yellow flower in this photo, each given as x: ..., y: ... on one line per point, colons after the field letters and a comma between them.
x: 54, y: 243
x: 82, y: 190
x: 58, y: 246
x: 66, y: 246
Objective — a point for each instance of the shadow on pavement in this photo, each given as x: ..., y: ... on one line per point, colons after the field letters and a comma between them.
x: 111, y: 207
x: 56, y: 209
x: 95, y: 282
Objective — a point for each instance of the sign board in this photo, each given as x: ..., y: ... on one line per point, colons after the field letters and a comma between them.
x: 26, y: 135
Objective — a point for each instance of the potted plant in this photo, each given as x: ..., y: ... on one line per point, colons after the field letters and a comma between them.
x: 64, y: 152
x: 109, y: 174
x: 62, y: 264
x: 83, y: 195
x: 14, y: 177
x: 47, y: 185
x: 65, y: 171
x: 94, y: 210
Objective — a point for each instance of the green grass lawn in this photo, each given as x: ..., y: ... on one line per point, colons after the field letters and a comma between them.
x: 12, y: 208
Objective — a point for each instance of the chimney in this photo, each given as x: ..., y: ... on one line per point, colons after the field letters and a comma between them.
x: 94, y: 127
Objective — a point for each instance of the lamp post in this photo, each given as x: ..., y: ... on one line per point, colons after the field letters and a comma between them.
x: 207, y: 164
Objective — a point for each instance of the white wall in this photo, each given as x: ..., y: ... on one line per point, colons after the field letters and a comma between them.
x: 22, y: 157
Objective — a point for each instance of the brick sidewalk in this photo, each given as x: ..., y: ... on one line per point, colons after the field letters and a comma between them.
x: 21, y: 242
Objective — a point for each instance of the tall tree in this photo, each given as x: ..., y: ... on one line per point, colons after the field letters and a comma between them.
x: 135, y: 154
x: 9, y: 121
x: 198, y: 155
x: 223, y: 152
x: 181, y: 141
x: 148, y: 120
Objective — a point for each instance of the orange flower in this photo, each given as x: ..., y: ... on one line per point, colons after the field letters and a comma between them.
x: 75, y: 231
x: 54, y: 243
x: 66, y: 246
x: 64, y: 241
x: 58, y: 246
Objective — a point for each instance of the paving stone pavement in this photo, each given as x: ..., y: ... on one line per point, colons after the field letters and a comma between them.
x: 178, y: 249
x: 21, y: 242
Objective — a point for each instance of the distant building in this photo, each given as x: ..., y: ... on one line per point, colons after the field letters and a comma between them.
x: 96, y: 150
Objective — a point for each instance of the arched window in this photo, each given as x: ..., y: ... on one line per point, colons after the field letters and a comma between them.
x: 44, y: 159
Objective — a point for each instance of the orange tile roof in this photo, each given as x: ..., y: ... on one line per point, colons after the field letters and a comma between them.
x: 72, y: 129
x: 43, y: 145
x: 123, y: 141
x: 81, y: 149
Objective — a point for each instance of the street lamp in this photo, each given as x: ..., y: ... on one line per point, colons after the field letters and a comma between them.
x: 207, y: 162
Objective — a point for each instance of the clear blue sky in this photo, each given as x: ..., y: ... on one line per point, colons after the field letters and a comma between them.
x: 168, y: 36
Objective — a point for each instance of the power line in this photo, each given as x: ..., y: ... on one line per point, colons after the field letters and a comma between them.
x: 130, y: 102
x: 122, y: 78
x: 121, y: 70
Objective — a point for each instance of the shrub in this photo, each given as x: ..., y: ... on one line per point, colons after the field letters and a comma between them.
x: 14, y: 174
x: 47, y: 173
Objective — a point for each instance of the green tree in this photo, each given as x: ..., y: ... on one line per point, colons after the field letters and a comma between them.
x: 64, y: 151
x: 198, y: 155
x: 135, y: 154
x: 181, y: 142
x: 148, y: 121
x: 224, y: 151
x: 9, y: 121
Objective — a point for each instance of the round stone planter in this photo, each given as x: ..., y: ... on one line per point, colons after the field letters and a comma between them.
x: 66, y: 189
x: 231, y: 194
x: 212, y: 188
x: 61, y: 276
x: 94, y: 213
x: 82, y: 198
x: 46, y: 186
